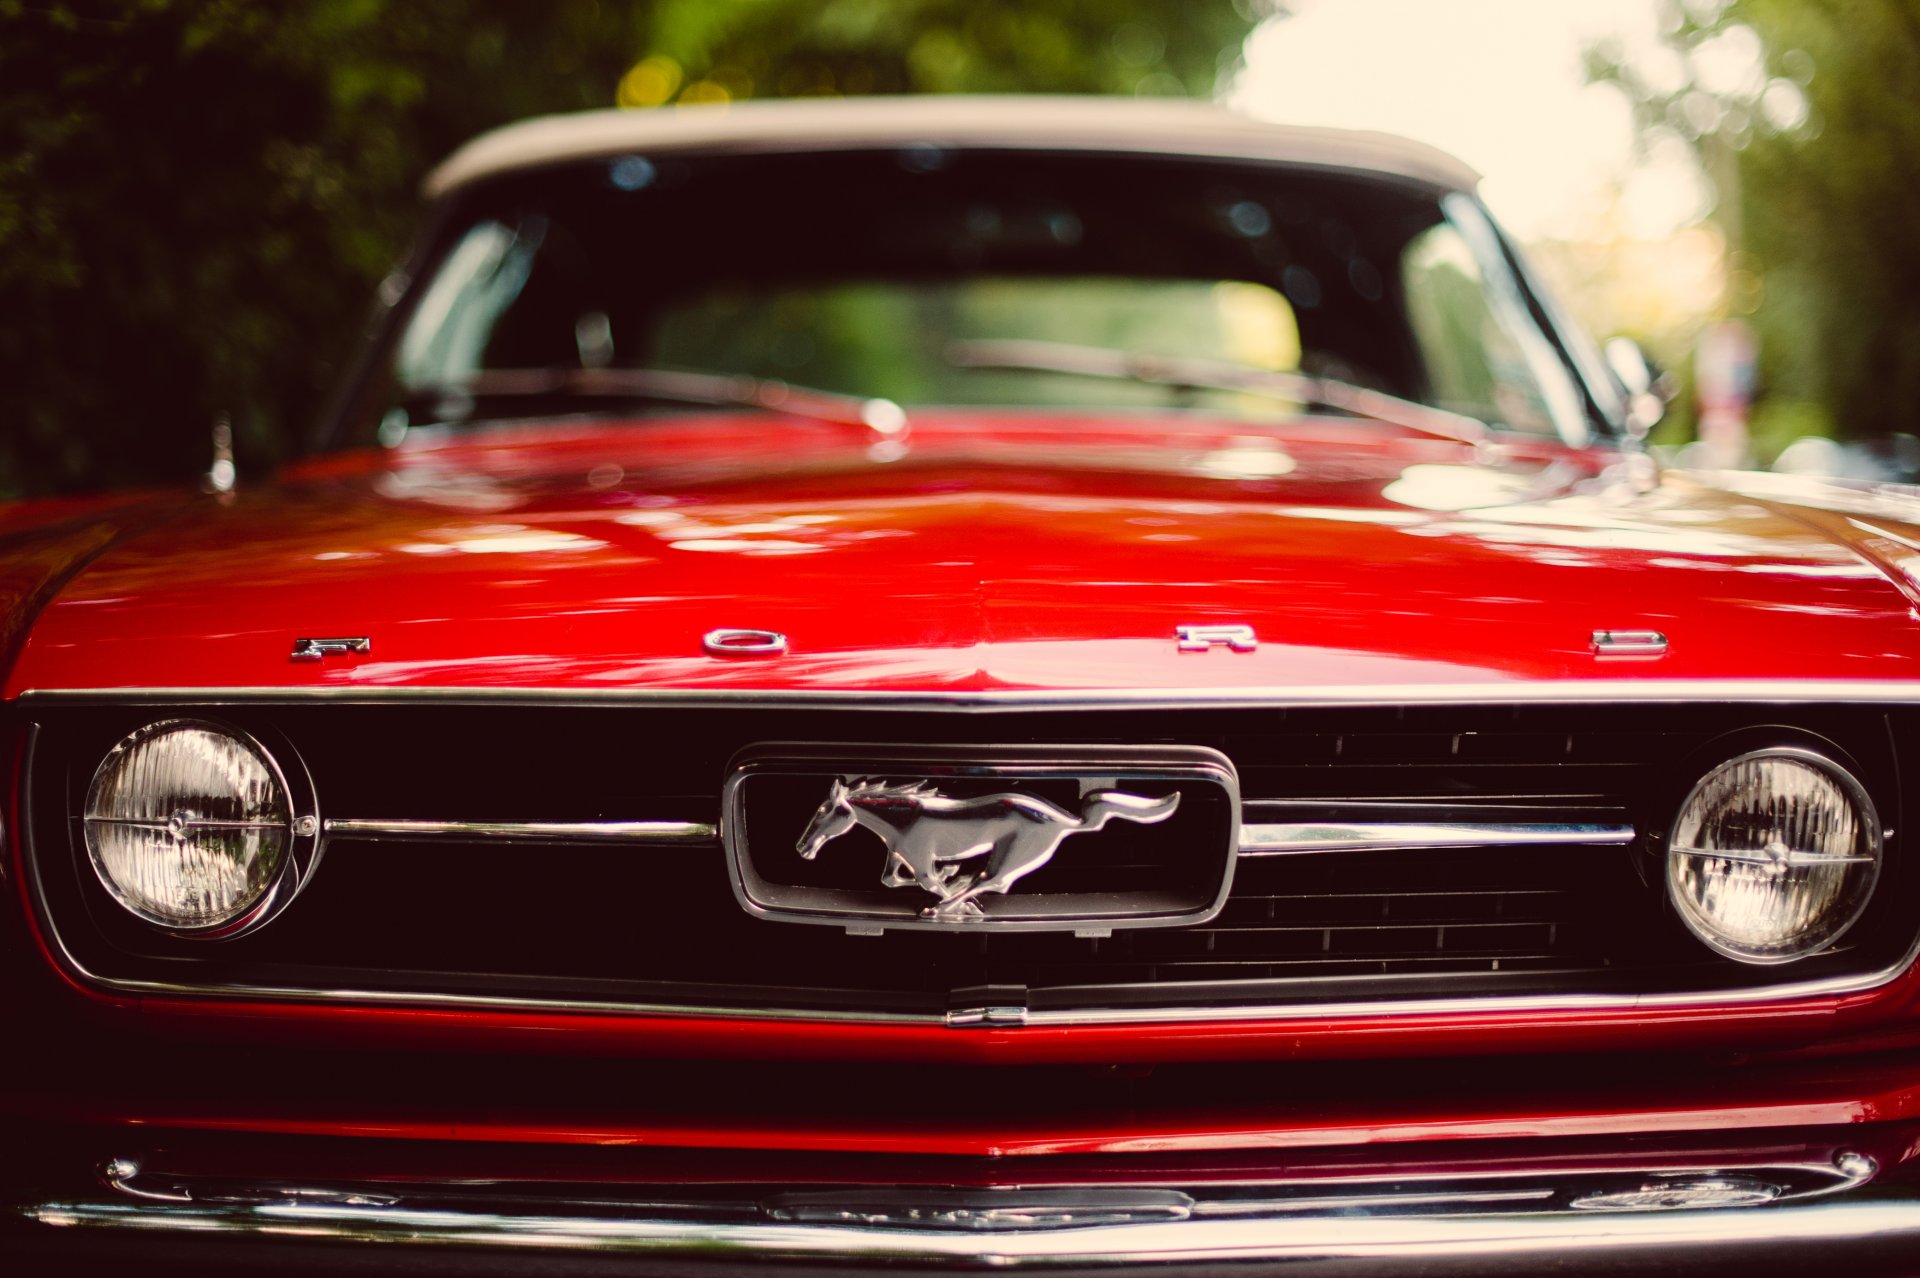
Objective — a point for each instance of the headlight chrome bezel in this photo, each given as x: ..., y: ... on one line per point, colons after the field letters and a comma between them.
x: 1872, y: 838
x: 304, y: 830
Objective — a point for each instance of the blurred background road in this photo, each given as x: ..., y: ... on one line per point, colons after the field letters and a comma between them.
x: 198, y: 198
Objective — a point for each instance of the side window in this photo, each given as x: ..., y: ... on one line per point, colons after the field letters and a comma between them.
x: 1474, y: 363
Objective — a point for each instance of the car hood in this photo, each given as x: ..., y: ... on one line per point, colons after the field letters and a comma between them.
x: 1027, y: 556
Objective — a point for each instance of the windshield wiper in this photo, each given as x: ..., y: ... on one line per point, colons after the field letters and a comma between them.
x: 882, y: 416
x: 1182, y: 373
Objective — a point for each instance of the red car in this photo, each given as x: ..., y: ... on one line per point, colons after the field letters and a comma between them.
x: 942, y: 683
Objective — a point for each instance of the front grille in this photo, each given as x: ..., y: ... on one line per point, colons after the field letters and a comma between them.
x: 1454, y: 912
x: 655, y: 926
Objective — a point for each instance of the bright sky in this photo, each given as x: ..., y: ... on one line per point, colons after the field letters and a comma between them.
x: 1498, y: 83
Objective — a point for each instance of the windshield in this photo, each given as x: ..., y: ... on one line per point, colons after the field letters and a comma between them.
x: 898, y: 275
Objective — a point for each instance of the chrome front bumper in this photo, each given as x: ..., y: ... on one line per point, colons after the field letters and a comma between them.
x: 1790, y: 1219
x: 1870, y: 1236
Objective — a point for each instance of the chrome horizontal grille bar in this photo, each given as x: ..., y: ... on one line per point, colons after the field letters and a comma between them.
x: 1289, y: 839
x: 1275, y: 839
x: 649, y: 832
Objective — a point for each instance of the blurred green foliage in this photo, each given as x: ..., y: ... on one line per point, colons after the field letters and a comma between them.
x: 779, y: 48
x: 198, y: 197
x: 1805, y: 116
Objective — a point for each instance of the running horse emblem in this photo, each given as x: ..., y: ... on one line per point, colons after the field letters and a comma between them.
x: 931, y: 839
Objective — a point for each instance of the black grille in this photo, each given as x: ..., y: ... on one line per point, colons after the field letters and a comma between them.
x: 662, y: 926
x: 1459, y: 911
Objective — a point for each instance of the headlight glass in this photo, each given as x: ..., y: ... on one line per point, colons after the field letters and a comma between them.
x: 188, y: 825
x: 1774, y: 855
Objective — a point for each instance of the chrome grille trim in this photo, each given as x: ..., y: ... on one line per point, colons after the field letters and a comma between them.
x: 1289, y: 839
x: 1276, y: 839
x: 645, y: 832
x: 1035, y: 1017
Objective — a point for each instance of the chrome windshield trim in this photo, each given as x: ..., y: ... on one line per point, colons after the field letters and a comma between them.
x: 1512, y: 692
x: 649, y: 832
x: 1825, y: 1230
x: 1288, y: 840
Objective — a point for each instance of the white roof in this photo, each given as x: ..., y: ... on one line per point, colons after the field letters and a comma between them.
x: 1158, y: 125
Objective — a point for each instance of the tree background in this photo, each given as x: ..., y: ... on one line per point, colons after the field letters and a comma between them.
x: 1805, y: 114
x: 198, y: 198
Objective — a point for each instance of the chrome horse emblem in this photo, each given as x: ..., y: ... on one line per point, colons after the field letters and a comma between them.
x: 931, y: 837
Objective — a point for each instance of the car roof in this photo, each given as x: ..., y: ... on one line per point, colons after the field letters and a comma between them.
x: 1145, y: 126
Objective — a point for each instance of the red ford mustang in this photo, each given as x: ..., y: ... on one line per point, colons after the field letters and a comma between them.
x: 940, y: 684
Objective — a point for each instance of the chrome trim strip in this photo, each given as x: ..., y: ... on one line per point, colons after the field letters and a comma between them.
x: 1286, y: 1013
x: 1288, y: 840
x: 647, y: 832
x: 1824, y: 1231
x: 1797, y: 1174
x: 1060, y: 1017
x: 1273, y: 839
x: 987, y: 1018
x: 502, y: 1003
x: 1511, y: 692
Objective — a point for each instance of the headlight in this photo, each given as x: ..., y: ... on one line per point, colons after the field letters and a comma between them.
x: 1773, y: 855
x: 192, y: 827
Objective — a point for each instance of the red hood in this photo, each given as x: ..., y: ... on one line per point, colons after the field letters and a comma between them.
x: 1041, y: 554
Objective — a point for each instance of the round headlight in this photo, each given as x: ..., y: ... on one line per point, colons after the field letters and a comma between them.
x: 191, y: 827
x: 1773, y: 855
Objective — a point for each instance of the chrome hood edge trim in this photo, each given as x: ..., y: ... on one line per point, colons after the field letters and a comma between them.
x: 1515, y: 692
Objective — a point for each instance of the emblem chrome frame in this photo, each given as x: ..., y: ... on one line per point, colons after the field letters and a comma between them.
x: 1095, y: 768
